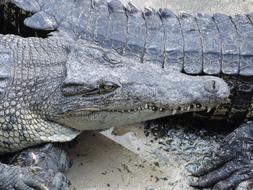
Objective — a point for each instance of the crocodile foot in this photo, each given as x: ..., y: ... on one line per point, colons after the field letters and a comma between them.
x: 50, y: 160
x: 46, y: 156
x: 15, y: 177
x: 233, y: 164
x: 54, y: 180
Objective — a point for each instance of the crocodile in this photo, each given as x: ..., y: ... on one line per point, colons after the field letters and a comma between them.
x: 138, y: 65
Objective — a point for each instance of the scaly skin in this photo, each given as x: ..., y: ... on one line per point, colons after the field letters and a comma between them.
x: 51, y: 160
x: 50, y: 91
x: 196, y: 45
x: 36, y: 168
x: 233, y: 164
x: 54, y: 88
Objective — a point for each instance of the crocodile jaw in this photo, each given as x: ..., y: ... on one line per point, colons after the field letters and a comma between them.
x: 103, y: 89
x: 188, y: 94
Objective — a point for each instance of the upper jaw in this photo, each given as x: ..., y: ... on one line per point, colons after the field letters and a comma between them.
x: 94, y: 118
x: 202, y: 101
x: 171, y: 110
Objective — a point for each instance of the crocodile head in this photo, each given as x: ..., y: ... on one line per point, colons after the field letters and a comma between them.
x: 103, y: 89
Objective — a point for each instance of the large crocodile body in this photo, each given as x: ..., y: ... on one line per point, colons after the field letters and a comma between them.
x: 217, y: 45
x: 110, y: 65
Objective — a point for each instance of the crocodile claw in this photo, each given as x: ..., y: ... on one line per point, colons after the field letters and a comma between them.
x: 14, y: 177
x: 233, y: 166
x: 48, y: 162
x: 47, y: 157
x: 55, y: 180
x: 31, y: 178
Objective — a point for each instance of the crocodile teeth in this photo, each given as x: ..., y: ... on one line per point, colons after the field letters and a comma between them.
x: 174, y: 111
x: 188, y: 108
x: 90, y: 109
x: 209, y: 109
x: 161, y: 109
x: 198, y: 105
x: 146, y: 106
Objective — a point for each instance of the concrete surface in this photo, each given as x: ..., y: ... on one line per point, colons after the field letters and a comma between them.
x: 108, y: 162
x: 102, y: 164
x: 133, y: 160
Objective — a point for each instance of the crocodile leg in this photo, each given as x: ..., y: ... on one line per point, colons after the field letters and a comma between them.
x: 51, y: 159
x: 37, y: 168
x: 27, y: 178
x: 47, y: 157
x: 233, y: 165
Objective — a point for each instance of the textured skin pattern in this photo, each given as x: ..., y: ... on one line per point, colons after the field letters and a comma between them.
x: 203, y: 44
x: 31, y: 178
x: 174, y: 42
x: 34, y: 67
x: 38, y: 74
x: 211, y: 44
x: 46, y: 157
x: 192, y: 45
x: 52, y: 161
x: 14, y: 177
x: 232, y: 165
x: 46, y: 86
x: 206, y: 45
x: 118, y: 20
x: 86, y: 22
x: 49, y: 89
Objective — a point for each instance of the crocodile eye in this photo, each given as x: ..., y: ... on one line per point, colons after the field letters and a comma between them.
x: 111, y: 58
x: 108, y: 87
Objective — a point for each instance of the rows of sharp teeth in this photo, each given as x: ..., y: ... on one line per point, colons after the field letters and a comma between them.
x: 173, y: 111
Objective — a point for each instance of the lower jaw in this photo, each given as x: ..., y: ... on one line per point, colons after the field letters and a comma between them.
x: 107, y: 119
x: 173, y: 111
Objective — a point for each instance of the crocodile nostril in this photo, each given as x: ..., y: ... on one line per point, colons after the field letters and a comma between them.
x: 212, y: 86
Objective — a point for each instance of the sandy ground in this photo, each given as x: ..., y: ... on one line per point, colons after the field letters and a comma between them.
x: 101, y: 163
x: 108, y: 162
x: 128, y: 159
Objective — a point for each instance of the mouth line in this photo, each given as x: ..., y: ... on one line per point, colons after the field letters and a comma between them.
x: 146, y: 107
